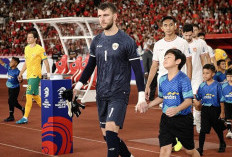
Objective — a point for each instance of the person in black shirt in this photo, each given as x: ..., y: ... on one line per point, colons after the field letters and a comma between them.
x: 114, y: 53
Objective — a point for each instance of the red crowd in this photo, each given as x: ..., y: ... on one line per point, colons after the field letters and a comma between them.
x: 139, y: 18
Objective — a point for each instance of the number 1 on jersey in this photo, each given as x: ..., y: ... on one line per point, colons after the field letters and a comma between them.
x: 111, y: 111
x: 105, y: 55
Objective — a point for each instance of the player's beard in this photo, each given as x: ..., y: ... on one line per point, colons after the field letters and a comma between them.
x: 109, y: 26
x: 189, y: 40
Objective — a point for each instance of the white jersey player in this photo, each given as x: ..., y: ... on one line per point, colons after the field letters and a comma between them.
x: 171, y: 40
x: 162, y: 46
x: 202, y: 42
x: 211, y: 51
x: 197, y: 52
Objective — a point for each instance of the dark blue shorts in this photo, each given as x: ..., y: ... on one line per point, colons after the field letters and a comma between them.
x: 112, y: 109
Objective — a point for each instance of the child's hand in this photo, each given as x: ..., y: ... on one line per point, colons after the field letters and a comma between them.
x: 1, y: 62
x: 172, y: 111
x: 222, y: 115
x: 142, y: 107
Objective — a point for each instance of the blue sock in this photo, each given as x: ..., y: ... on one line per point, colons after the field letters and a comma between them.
x: 123, y: 150
x: 112, y: 141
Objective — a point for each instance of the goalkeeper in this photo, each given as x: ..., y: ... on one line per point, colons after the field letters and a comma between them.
x: 113, y: 52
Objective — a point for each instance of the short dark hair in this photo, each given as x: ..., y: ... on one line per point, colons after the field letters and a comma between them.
x: 178, y: 55
x: 219, y: 61
x: 196, y: 25
x: 108, y: 5
x: 201, y: 34
x: 168, y: 18
x: 188, y: 28
x: 210, y: 67
x: 34, y: 32
x: 16, y: 59
x: 229, y: 71
x: 229, y: 63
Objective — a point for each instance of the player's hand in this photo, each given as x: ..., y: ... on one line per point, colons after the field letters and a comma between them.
x: 1, y: 62
x: 76, y: 107
x: 76, y: 89
x: 142, y: 107
x: 75, y: 93
x: 73, y: 106
x: 48, y: 76
x: 147, y: 93
x: 20, y: 78
x: 146, y: 75
x: 172, y: 111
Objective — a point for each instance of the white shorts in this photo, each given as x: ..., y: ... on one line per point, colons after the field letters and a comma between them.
x: 195, y: 84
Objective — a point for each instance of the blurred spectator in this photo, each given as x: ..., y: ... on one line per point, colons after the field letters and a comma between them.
x: 72, y: 52
x: 147, y: 62
x: 139, y: 18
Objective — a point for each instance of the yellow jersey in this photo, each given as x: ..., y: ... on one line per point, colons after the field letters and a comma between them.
x: 33, y: 58
x: 220, y: 54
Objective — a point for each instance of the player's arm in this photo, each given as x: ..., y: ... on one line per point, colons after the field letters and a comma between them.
x: 208, y: 60
x: 47, y: 67
x: 188, y: 55
x: 155, y: 102
x: 202, y: 57
x: 214, y: 62
x: 172, y: 111
x: 20, y: 77
x: 136, y: 66
x: 152, y: 72
x: 85, y: 75
x: 1, y: 62
x: 189, y: 67
x: 145, y: 62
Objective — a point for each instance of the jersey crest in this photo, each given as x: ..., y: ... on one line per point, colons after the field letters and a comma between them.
x: 115, y: 46
x: 195, y: 49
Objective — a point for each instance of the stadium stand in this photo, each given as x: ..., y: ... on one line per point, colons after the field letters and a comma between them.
x: 138, y: 18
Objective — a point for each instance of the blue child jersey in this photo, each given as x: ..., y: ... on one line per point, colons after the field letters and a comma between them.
x: 227, y: 92
x: 13, y: 74
x: 219, y: 76
x: 113, y: 55
x: 210, y: 95
x: 175, y: 91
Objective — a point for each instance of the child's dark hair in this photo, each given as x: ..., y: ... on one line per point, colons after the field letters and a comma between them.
x: 168, y: 18
x: 229, y: 63
x: 107, y: 5
x: 210, y: 67
x: 16, y: 59
x: 178, y: 55
x: 188, y: 28
x: 229, y: 71
x: 219, y: 61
